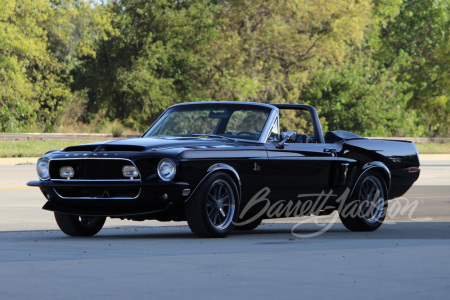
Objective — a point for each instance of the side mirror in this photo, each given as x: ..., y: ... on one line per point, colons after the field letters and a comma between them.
x: 290, y: 135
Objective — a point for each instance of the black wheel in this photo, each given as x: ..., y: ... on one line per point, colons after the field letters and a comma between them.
x: 79, y: 225
x: 366, y: 209
x: 213, y: 209
x: 249, y: 226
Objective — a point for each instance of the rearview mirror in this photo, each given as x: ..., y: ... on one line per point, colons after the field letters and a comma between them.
x: 217, y: 114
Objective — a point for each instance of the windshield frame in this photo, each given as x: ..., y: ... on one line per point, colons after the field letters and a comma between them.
x: 244, y: 105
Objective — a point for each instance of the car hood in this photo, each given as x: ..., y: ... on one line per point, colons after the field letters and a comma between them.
x: 145, y: 144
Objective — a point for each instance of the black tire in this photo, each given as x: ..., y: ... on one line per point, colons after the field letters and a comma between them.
x: 79, y: 225
x: 213, y: 209
x: 249, y: 226
x: 366, y: 209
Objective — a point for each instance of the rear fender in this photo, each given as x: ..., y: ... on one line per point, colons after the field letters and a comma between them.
x: 375, y: 166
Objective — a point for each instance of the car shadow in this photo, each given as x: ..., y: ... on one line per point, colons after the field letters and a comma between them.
x: 266, y: 231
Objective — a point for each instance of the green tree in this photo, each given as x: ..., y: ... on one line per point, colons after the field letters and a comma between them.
x: 376, y: 67
x: 417, y: 41
x: 169, y: 52
x: 363, y: 97
x: 38, y: 41
x: 22, y: 52
x: 158, y: 59
x: 269, y: 50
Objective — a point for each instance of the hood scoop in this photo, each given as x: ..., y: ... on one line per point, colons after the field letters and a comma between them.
x: 84, y: 148
x: 122, y: 148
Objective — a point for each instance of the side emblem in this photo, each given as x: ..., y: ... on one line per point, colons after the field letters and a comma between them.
x: 256, y: 167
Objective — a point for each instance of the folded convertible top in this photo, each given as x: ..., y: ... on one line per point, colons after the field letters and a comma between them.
x: 332, y: 137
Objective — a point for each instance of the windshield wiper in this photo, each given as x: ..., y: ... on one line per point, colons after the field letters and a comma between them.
x: 213, y: 136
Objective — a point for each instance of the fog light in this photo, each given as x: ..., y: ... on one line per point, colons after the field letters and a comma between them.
x: 66, y: 172
x: 130, y: 171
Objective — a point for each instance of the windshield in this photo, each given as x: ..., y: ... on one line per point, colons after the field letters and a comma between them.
x: 229, y: 121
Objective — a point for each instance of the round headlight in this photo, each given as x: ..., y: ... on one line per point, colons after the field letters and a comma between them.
x: 42, y: 168
x: 166, y: 169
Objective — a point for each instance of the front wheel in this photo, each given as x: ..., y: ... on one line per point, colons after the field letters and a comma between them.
x: 366, y: 208
x: 213, y: 209
x: 79, y: 225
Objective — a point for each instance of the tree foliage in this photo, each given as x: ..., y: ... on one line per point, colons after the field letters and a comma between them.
x: 363, y: 97
x: 159, y: 58
x: 39, y: 42
x: 375, y: 67
x: 417, y: 41
x: 269, y: 50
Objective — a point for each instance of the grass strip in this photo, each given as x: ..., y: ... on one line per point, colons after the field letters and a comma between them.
x: 36, y: 148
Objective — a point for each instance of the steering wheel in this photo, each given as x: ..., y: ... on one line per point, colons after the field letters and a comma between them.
x: 246, y: 132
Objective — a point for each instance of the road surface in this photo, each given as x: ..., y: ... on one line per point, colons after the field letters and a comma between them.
x: 407, y: 258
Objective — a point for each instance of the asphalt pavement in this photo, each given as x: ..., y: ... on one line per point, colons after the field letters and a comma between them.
x: 407, y: 258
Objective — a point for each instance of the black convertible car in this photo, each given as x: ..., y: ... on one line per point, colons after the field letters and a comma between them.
x: 224, y: 166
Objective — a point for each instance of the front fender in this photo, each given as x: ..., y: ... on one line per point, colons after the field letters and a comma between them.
x: 219, y: 167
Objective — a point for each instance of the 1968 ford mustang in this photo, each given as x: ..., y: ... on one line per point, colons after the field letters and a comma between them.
x: 224, y: 166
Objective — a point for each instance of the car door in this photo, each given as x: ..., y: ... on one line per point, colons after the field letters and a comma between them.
x: 298, y: 171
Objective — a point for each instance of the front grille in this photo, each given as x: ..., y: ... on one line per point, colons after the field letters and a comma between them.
x: 91, y: 169
x: 98, y: 192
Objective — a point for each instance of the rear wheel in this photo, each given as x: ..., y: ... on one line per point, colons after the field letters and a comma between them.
x: 213, y: 209
x: 367, y: 207
x: 79, y: 225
